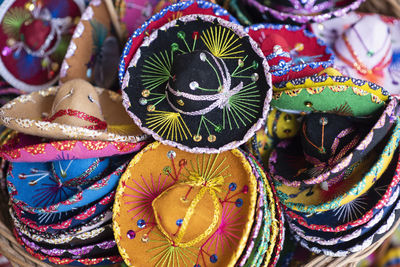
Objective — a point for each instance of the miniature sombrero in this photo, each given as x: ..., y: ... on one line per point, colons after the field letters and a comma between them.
x: 291, y: 51
x: 94, y: 51
x: 362, y: 177
x: 300, y: 11
x: 209, y: 81
x: 169, y: 13
x: 214, y: 198
x: 31, y: 249
x: 62, y: 186
x: 375, y: 233
x: 28, y: 148
x: 358, y: 211
x: 33, y: 40
x: 76, y: 110
x: 367, y: 46
x: 327, y: 145
x: 326, y: 93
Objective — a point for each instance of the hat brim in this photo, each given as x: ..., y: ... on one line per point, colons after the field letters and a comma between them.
x: 289, y: 153
x: 143, y: 176
x: 329, y: 93
x: 336, y: 11
x: 315, y: 54
x: 164, y: 16
x: 25, y: 114
x: 354, y: 190
x: 211, y: 131
x: 28, y: 148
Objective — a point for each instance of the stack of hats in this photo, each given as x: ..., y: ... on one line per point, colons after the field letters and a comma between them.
x: 64, y: 168
x: 338, y: 177
x: 201, y: 87
x: 200, y: 141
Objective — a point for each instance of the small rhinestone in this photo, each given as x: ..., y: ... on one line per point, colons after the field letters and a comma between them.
x: 180, y: 102
x: 323, y: 121
x: 218, y: 128
x: 145, y: 93
x: 197, y: 138
x: 179, y: 222
x: 232, y: 186
x: 167, y: 170
x: 22, y: 176
x: 299, y: 47
x: 151, y: 108
x: 131, y: 234
x: 141, y: 223
x: 143, y: 101
x: 245, y: 189
x: 240, y: 63
x: 254, y: 77
x: 145, y: 238
x: 239, y: 202
x: 255, y: 65
x: 203, y: 57
x: 213, y: 258
x: 194, y: 85
x: 211, y: 138
x: 181, y: 35
x: 174, y: 47
x: 171, y: 154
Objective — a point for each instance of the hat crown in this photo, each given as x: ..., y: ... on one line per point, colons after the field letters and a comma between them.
x: 195, y: 215
x: 76, y: 104
x: 324, y: 135
x: 368, y: 41
x: 198, y: 73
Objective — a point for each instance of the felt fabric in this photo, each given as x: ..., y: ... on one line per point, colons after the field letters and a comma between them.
x: 76, y: 110
x: 358, y: 211
x: 169, y: 13
x: 65, y: 240
x: 180, y: 177
x: 298, y: 11
x: 53, y: 221
x: 63, y: 261
x: 343, y: 140
x: 94, y: 51
x: 291, y: 51
x: 206, y: 91
x: 56, y: 181
x: 55, y: 196
x: 332, y: 238
x: 371, y: 169
x: 27, y: 148
x: 89, y: 219
x: 326, y: 93
x: 33, y: 40
x: 366, y: 46
x: 370, y: 237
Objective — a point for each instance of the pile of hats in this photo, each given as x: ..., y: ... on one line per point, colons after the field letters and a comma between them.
x: 61, y: 191
x: 201, y: 140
